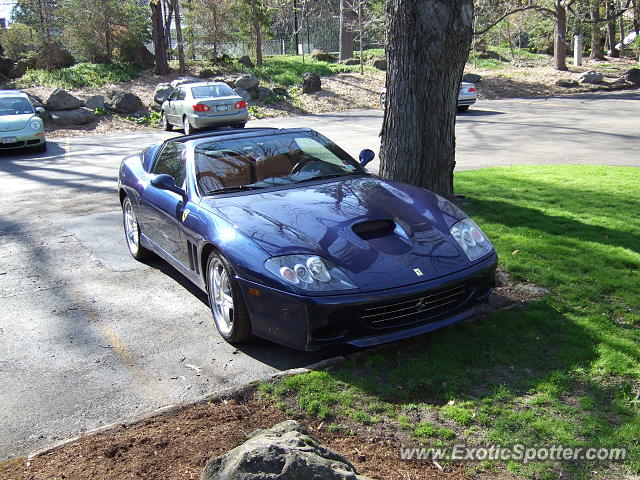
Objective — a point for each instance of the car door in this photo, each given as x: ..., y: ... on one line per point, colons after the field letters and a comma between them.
x: 179, y: 105
x: 170, y: 112
x: 161, y: 210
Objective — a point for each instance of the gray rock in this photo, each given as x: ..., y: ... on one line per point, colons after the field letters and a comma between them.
x: 62, y: 100
x: 350, y: 61
x: 379, y: 62
x: 284, y: 452
x: 162, y: 92
x: 620, y: 82
x: 77, y: 116
x: 19, y: 69
x: 138, y: 55
x: 184, y: 80
x: 246, y: 61
x: 120, y: 101
x: 311, y: 82
x: 6, y: 65
x: 567, y: 83
x: 322, y: 56
x: 264, y: 93
x: 632, y: 75
x: 36, y: 101
x: 94, y: 101
x: 591, y: 77
x: 471, y: 77
x: 247, y: 81
x: 228, y: 80
x: 207, y: 73
x: 246, y: 96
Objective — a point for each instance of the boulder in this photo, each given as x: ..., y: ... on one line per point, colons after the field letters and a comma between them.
x: 265, y: 93
x: 207, y: 73
x: 120, y: 101
x: 567, y: 83
x: 19, y: 69
x: 138, y: 55
x: 36, y: 101
x: 350, y: 61
x: 162, y: 92
x: 246, y: 61
x: 221, y: 59
x: 77, y: 116
x: 184, y: 80
x: 62, y: 100
x: 322, y: 56
x: 379, y: 62
x: 591, y: 77
x: 6, y: 65
x: 246, y: 96
x: 51, y: 57
x: 471, y: 77
x: 284, y: 452
x: 94, y: 101
x: 247, y: 81
x: 632, y: 75
x: 311, y: 82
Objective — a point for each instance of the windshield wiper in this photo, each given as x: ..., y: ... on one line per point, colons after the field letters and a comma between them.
x: 237, y: 188
x: 328, y: 175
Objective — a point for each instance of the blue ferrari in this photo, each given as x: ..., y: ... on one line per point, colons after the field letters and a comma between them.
x: 295, y: 242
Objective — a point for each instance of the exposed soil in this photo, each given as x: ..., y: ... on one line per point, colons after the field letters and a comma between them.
x: 352, y: 91
x: 177, y: 445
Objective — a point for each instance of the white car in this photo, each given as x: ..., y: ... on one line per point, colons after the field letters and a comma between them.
x: 466, y: 97
x: 20, y: 126
x: 205, y: 104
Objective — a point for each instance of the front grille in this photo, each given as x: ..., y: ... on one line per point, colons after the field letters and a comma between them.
x: 419, y: 309
x: 374, y: 228
x: 12, y: 145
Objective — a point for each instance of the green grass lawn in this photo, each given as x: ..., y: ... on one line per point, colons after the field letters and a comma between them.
x: 81, y: 75
x: 562, y: 370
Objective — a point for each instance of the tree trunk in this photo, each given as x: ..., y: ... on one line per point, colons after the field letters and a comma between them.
x: 622, y: 33
x: 611, y: 29
x: 596, y: 39
x: 257, y: 29
x: 428, y: 44
x: 560, y: 36
x: 346, y: 30
x: 361, y: 33
x: 161, y: 65
x: 176, y: 9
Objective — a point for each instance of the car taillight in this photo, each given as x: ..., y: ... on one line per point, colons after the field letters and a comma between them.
x: 241, y: 104
x: 201, y: 107
x: 471, y: 89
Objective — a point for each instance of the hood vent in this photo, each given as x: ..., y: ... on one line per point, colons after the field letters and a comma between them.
x: 374, y: 228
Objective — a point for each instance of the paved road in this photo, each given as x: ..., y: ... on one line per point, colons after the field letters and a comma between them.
x: 89, y: 337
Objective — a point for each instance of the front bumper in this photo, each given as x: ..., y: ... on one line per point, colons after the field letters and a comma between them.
x: 212, y: 120
x: 26, y: 137
x: 366, y: 319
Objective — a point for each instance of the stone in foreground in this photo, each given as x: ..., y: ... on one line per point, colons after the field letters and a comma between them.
x: 62, y: 100
x: 283, y: 452
x: 120, y: 101
x: 591, y: 77
x: 311, y: 82
x: 77, y: 116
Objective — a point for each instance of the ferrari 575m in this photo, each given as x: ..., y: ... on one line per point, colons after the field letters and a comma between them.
x: 294, y: 241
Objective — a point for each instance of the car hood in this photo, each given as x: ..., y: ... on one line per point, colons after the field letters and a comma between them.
x: 318, y: 219
x: 12, y: 123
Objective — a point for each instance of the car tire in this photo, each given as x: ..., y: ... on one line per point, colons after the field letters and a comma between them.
x: 132, y: 231
x: 383, y: 100
x: 240, y: 125
x: 166, y: 125
x: 463, y: 108
x: 228, y: 307
x: 187, y: 127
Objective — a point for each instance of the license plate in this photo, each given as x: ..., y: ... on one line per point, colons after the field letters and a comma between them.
x: 9, y: 140
x: 222, y: 108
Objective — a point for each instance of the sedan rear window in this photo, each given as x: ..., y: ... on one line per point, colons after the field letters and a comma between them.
x: 208, y: 91
x: 269, y: 161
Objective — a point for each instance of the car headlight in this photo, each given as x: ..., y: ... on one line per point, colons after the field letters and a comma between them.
x: 309, y: 272
x: 36, y: 125
x: 472, y: 240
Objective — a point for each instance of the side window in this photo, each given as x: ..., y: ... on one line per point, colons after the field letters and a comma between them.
x: 172, y: 161
x: 173, y: 95
x: 182, y: 94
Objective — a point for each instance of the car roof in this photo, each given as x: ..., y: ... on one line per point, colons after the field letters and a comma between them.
x: 200, y: 84
x: 234, y: 133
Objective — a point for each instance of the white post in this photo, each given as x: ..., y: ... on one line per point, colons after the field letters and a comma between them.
x: 577, y: 50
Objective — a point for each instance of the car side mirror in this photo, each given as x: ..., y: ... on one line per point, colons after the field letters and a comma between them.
x: 366, y: 156
x: 167, y: 182
x: 39, y: 110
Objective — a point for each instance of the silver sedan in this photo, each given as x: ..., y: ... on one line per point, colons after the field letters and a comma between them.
x: 466, y: 96
x: 200, y: 105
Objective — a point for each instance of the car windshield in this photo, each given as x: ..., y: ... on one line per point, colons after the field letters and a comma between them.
x: 269, y: 161
x: 15, y: 106
x: 208, y: 91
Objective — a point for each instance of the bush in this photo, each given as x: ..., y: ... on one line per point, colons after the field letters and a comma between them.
x: 81, y: 75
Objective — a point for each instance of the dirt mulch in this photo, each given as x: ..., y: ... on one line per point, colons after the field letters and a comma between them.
x: 177, y: 446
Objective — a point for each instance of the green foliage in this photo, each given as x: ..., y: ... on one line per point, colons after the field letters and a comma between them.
x: 18, y: 41
x: 41, y: 15
x: 561, y: 370
x: 81, y: 75
x: 151, y: 118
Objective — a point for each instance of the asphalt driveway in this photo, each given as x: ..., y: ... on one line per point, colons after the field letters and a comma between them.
x: 89, y: 337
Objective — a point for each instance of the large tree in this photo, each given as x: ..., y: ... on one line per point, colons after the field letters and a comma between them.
x: 41, y: 15
x: 428, y: 44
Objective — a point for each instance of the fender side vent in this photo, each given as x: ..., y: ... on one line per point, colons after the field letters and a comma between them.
x: 374, y: 228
